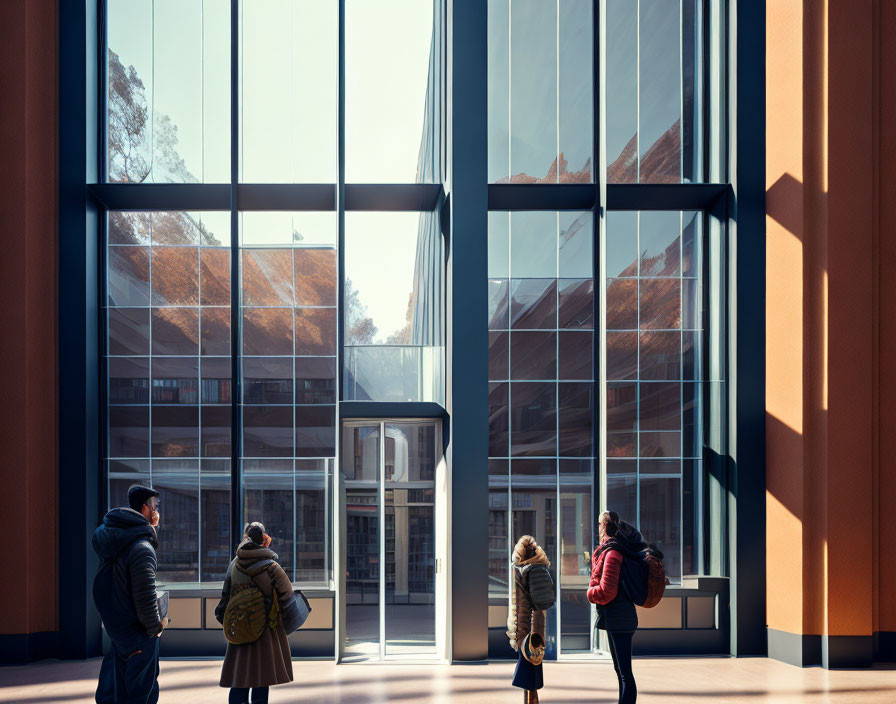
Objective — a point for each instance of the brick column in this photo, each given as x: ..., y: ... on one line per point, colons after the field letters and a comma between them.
x: 28, y: 417
x: 826, y: 337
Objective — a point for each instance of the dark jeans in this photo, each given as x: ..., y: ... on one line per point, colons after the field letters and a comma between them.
x: 621, y: 650
x: 130, y: 677
x: 240, y: 695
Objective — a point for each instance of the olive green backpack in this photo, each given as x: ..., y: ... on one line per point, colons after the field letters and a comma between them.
x: 247, y: 612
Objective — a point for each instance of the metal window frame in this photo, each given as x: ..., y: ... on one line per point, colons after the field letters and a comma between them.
x: 733, y: 47
x: 715, y: 199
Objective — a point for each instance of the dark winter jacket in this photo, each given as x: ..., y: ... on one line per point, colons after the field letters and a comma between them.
x: 124, y: 590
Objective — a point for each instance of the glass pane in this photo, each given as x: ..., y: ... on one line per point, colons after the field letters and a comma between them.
x: 622, y: 304
x: 533, y: 245
x: 497, y: 304
x: 214, y: 326
x: 267, y: 277
x: 288, y: 115
x: 497, y: 356
x: 622, y: 495
x: 533, y: 419
x: 128, y: 431
x: 175, y: 331
x: 653, y: 91
x: 214, y: 275
x: 576, y: 304
x: 393, y: 91
x: 315, y: 331
x: 214, y: 511
x: 315, y: 380
x: 414, y: 450
x: 498, y: 437
x: 410, y: 453
x: 575, y: 99
x: 660, y: 506
x: 533, y: 303
x: 268, y: 490
x: 498, y: 91
x: 575, y: 405
x: 128, y: 277
x: 177, y: 481
x: 575, y: 355
x: 533, y: 355
x: 215, y: 422
x: 362, y: 570
x: 129, y: 380
x: 315, y: 431
x: 575, y: 250
x: 498, y: 538
x: 660, y: 243
x: 175, y: 280
x: 393, y: 307
x: 622, y: 355
x: 267, y: 431
x: 498, y: 244
x: 128, y: 331
x: 161, y: 261
x: 168, y: 91
x: 175, y: 431
x: 576, y: 544
x: 311, y: 514
x: 660, y: 355
x: 622, y: 244
x: 655, y: 417
x: 622, y: 91
x: 267, y: 380
x: 360, y: 458
x: 175, y: 380
x: 541, y: 94
x: 659, y: 91
x: 549, y: 418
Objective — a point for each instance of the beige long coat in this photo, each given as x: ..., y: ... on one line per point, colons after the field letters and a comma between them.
x: 267, y: 661
x: 522, y: 619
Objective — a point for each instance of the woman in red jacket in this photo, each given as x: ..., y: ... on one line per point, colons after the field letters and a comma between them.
x: 616, y: 612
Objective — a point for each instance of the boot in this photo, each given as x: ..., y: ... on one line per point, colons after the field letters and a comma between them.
x: 532, y: 696
x: 525, y: 696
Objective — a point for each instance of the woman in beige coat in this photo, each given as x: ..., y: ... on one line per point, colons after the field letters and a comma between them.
x: 524, y: 620
x: 266, y: 661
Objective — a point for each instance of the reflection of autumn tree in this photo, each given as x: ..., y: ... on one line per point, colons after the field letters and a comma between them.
x: 141, y: 145
x: 360, y: 328
x: 403, y: 336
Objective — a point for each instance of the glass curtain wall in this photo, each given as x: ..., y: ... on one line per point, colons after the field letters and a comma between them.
x: 541, y: 402
x: 597, y: 339
x: 653, y: 91
x: 169, y: 379
x: 183, y: 414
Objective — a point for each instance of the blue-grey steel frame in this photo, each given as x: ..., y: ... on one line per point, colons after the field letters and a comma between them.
x: 83, y: 198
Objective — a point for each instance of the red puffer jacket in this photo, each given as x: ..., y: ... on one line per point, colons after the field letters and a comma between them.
x: 605, y: 571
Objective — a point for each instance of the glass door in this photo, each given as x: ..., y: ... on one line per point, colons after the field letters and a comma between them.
x: 389, y: 482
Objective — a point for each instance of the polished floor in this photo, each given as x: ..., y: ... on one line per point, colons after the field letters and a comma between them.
x: 715, y: 680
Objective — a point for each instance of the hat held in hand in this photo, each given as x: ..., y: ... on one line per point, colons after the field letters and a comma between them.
x: 533, y: 648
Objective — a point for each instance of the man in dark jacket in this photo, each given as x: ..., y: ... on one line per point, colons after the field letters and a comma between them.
x: 124, y: 592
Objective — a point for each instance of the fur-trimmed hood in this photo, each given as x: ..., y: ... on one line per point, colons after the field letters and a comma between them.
x: 528, y: 552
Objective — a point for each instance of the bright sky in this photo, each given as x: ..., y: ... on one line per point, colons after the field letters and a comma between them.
x: 289, y: 81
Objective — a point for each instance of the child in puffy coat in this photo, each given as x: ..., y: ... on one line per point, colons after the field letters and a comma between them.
x: 525, y: 624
